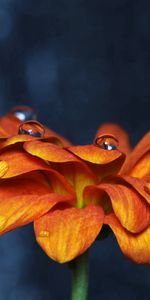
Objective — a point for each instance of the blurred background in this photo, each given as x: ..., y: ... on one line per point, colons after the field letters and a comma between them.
x: 78, y: 64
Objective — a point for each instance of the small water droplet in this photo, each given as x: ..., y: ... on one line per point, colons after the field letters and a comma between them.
x: 32, y: 128
x: 44, y: 233
x: 3, y: 221
x: 107, y: 142
x: 23, y: 113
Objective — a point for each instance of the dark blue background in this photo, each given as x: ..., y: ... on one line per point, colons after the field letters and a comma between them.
x: 78, y: 63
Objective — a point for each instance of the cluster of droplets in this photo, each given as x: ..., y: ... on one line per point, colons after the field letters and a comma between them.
x: 29, y: 126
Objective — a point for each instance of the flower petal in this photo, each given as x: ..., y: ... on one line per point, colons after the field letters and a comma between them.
x: 24, y: 200
x: 66, y: 234
x: 127, y: 204
x: 135, y: 246
x: 139, y: 185
x: 9, y: 125
x: 20, y: 162
x: 119, y: 133
x: 94, y: 154
x: 138, y: 162
x: 15, y: 139
x: 20, y: 210
x: 49, y: 152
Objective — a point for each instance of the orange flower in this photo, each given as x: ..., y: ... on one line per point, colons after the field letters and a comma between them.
x: 70, y: 192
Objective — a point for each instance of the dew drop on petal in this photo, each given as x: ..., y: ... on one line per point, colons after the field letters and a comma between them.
x: 44, y: 233
x: 3, y: 221
x: 23, y: 113
x: 32, y: 128
x: 107, y: 142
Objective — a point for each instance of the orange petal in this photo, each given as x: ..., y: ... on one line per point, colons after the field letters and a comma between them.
x: 119, y: 133
x: 24, y: 200
x: 139, y: 185
x: 142, y: 168
x: 9, y: 125
x: 16, y: 139
x: 49, y: 152
x: 66, y: 234
x: 138, y: 162
x: 3, y: 168
x: 20, y: 210
x: 135, y: 246
x: 130, y: 208
x: 18, y: 162
x: 94, y: 154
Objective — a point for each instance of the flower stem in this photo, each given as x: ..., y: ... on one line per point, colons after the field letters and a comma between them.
x: 79, y: 269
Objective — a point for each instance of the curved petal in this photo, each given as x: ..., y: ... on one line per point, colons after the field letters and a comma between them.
x: 95, y: 154
x: 138, y: 162
x: 15, y: 139
x: 49, y: 152
x: 128, y: 205
x: 20, y: 162
x: 66, y: 234
x: 142, y: 168
x: 20, y: 210
x: 119, y: 133
x: 24, y: 200
x: 9, y: 125
x: 135, y: 246
x: 139, y: 185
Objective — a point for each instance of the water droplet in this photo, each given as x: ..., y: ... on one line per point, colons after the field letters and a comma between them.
x: 107, y: 142
x: 32, y: 128
x: 44, y: 233
x: 24, y: 113
x: 3, y: 221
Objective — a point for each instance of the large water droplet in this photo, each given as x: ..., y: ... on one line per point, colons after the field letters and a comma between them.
x: 107, y: 142
x: 44, y: 233
x: 32, y: 128
x: 3, y: 221
x: 24, y: 113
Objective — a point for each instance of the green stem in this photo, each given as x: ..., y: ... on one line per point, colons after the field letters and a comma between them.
x: 79, y: 269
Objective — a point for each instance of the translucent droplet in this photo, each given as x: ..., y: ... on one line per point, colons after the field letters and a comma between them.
x: 32, y: 128
x: 24, y: 113
x: 107, y: 142
x: 44, y: 233
x: 3, y: 221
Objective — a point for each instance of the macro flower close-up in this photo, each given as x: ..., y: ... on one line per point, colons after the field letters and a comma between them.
x: 70, y: 192
x: 74, y: 150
